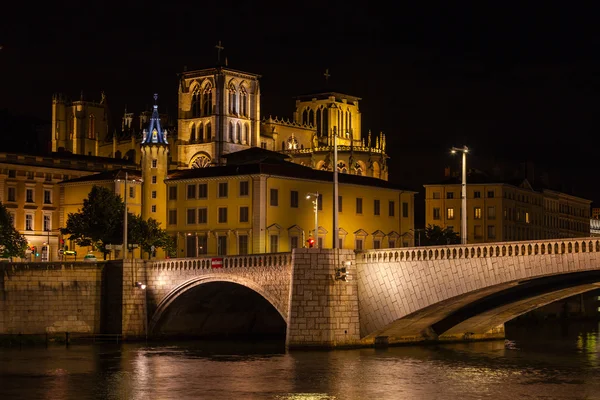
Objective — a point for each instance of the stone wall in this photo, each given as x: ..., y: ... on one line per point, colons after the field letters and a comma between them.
x: 58, y: 297
x: 323, y: 310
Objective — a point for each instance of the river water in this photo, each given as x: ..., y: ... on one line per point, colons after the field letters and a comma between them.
x: 553, y: 361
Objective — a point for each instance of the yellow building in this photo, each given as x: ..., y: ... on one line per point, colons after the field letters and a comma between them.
x: 506, y: 211
x: 30, y: 189
x: 257, y: 203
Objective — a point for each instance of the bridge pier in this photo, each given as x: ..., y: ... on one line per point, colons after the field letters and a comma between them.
x: 323, y: 310
x: 134, y: 309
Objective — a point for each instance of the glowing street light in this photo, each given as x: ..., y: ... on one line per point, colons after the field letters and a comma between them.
x: 463, y: 217
x: 315, y: 202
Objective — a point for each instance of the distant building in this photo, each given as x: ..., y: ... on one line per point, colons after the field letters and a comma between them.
x: 595, y: 212
x: 506, y: 211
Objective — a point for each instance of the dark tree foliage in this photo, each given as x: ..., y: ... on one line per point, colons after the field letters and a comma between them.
x: 12, y: 243
x: 99, y: 222
x: 148, y: 234
x: 435, y: 235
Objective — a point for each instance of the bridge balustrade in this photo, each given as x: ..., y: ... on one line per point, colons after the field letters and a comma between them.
x: 246, y: 261
x: 560, y: 246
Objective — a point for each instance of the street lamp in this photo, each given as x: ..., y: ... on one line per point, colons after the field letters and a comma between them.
x: 316, y: 209
x: 335, y: 193
x: 463, y: 219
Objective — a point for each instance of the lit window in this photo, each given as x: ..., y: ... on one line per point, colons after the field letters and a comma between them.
x: 450, y: 213
x: 477, y: 213
x: 526, y: 217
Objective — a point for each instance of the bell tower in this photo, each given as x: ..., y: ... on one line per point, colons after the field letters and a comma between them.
x: 155, y: 164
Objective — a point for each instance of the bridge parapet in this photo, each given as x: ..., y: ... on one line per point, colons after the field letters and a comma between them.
x: 483, y: 250
x: 246, y: 261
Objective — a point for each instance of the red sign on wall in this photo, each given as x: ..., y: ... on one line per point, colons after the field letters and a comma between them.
x: 216, y: 262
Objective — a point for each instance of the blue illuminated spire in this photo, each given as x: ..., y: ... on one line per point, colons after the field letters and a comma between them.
x: 154, y: 134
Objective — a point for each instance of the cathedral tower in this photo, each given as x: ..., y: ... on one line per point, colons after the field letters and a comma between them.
x: 219, y: 113
x: 155, y: 164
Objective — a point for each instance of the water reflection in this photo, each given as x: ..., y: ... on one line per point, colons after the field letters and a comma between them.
x: 546, y: 362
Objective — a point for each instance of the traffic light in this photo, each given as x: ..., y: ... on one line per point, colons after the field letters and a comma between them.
x: 311, y: 242
x: 35, y: 251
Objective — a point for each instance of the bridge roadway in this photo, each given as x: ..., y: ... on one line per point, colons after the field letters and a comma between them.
x: 407, y: 294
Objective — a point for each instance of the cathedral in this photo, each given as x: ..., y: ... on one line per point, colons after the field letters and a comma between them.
x: 219, y: 113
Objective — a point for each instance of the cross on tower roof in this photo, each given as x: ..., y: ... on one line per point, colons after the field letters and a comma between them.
x: 219, y: 47
x: 327, y: 75
x: 155, y: 98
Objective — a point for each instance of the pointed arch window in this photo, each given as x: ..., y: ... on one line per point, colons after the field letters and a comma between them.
x: 92, y: 127
x: 208, y: 132
x: 245, y: 137
x: 311, y: 117
x: 319, y: 120
x: 305, y: 117
x: 207, y: 100
x: 238, y: 136
x: 347, y: 124
x: 243, y: 101
x: 350, y: 123
x: 231, y: 132
x: 193, y: 134
x: 201, y: 133
x: 196, y: 101
x: 232, y: 99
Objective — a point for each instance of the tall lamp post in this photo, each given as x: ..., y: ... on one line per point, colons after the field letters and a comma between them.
x: 315, y: 202
x: 335, y: 194
x: 463, y: 217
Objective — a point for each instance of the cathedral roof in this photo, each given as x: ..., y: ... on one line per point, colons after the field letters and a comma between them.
x: 155, y: 134
x: 253, y: 155
x: 325, y: 95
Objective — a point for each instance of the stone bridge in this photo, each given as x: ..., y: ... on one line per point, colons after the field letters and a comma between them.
x: 392, y: 295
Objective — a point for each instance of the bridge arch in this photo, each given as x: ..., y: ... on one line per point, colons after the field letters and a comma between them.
x: 167, y: 301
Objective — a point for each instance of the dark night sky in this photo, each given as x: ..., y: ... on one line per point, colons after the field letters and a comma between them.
x: 516, y: 81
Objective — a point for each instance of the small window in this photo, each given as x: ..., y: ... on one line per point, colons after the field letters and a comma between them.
x: 131, y: 192
x: 191, y: 216
x: 29, y: 195
x: 203, y: 215
x: 359, y: 206
x: 47, y: 223
x: 491, y: 212
x: 436, y: 213
x: 274, y: 197
x: 222, y: 215
x: 376, y: 206
x: 154, y: 179
x: 244, y: 188
x: 477, y: 213
x: 490, y: 194
x: 391, y: 243
x: 172, y: 217
x: 154, y: 163
x: 450, y: 213
x: 392, y: 208
x: 294, y: 199
x: 203, y: 191
x: 358, y: 244
x: 491, y: 231
x: 28, y: 222
x: 153, y: 208
x: 30, y: 175
x: 47, y: 197
x: 376, y: 244
x: 274, y: 243
x: 172, y: 192
x: 12, y: 194
x: 320, y: 242
x: 404, y: 210
x: 243, y: 244
x: 12, y: 173
x: 154, y: 194
x: 437, y: 195
x: 191, y: 191
x: 450, y: 195
x: 294, y: 242
x: 223, y: 189
x: 477, y: 194
x: 244, y: 214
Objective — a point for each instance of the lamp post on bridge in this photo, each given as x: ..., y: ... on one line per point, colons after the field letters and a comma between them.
x: 315, y: 202
x: 463, y: 217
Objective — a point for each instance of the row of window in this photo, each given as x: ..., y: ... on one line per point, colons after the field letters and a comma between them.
x: 11, y: 195
x: 198, y: 245
x: 476, y: 195
x: 29, y: 219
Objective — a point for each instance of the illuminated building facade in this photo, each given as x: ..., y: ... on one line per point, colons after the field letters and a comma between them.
x: 507, y: 211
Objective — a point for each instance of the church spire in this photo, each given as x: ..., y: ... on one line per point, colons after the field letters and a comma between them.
x: 154, y: 134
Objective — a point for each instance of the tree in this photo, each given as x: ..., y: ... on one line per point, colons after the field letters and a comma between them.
x: 435, y: 235
x: 12, y: 243
x: 149, y: 235
x: 99, y: 222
